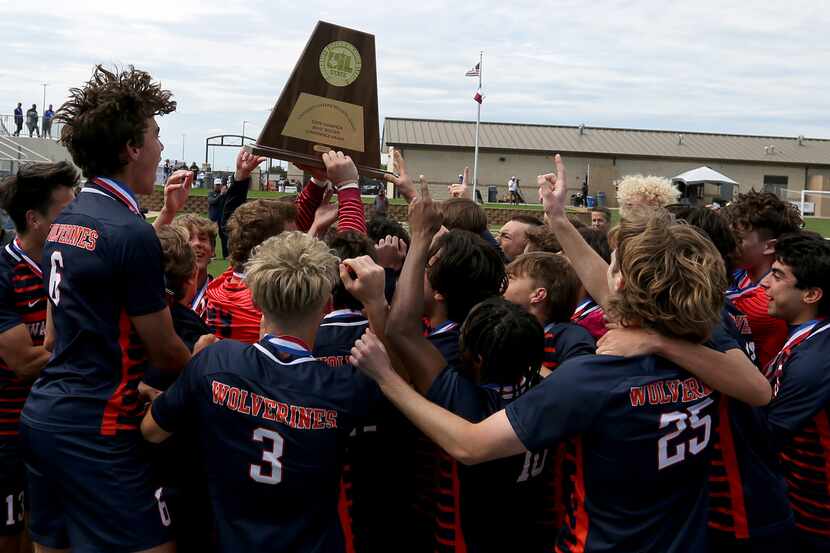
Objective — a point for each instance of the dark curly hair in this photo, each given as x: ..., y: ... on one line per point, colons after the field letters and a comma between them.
x: 466, y: 271
x: 764, y: 213
x: 252, y: 223
x: 347, y: 245
x: 507, y: 340
x: 109, y: 112
x: 807, y: 254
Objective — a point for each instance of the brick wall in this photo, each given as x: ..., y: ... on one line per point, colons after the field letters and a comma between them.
x: 496, y: 216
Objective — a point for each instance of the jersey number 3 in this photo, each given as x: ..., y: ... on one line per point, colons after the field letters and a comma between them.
x: 666, y: 456
x: 270, y: 470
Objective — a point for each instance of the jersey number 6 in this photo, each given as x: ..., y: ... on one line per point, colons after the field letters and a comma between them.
x: 270, y: 471
x: 694, y: 444
x: 55, y: 277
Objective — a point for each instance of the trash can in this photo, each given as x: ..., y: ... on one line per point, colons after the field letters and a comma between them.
x: 601, y: 199
x: 493, y: 194
x: 591, y: 202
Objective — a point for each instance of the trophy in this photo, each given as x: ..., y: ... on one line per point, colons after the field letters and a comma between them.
x: 329, y: 103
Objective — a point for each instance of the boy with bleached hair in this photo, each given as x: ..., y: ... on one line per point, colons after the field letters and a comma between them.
x: 637, y: 195
x: 270, y: 419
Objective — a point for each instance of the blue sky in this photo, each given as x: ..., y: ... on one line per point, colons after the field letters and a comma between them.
x: 756, y: 68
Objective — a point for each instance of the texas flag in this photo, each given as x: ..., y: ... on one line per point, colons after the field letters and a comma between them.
x: 478, y: 97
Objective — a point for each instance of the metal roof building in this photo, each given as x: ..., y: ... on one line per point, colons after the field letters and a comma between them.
x: 441, y: 148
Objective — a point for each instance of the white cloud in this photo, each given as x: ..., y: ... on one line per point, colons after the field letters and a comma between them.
x: 705, y: 65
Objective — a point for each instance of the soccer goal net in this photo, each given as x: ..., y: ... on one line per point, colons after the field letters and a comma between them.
x: 806, y: 200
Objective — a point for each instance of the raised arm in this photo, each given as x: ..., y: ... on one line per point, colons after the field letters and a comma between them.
x: 469, y: 443
x: 311, y: 198
x: 237, y: 193
x: 343, y: 175
x: 404, y: 331
x: 731, y: 373
x: 400, y: 178
x: 461, y: 190
x: 587, y: 263
x: 324, y: 217
x: 366, y: 280
x: 176, y: 191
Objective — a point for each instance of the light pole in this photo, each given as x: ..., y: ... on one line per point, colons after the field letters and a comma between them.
x: 183, y: 135
x: 243, y: 131
x: 43, y: 109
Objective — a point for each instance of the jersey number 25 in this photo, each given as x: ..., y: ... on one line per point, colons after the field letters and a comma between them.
x: 666, y: 456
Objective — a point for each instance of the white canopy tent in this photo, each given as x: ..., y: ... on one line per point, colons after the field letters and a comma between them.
x: 702, y: 175
x: 697, y: 178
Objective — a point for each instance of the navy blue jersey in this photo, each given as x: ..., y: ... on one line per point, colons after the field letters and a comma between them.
x: 22, y: 302
x: 271, y: 422
x: 641, y: 429
x: 338, y: 332
x: 747, y: 492
x: 445, y: 339
x: 378, y: 457
x: 103, y: 265
x: 564, y: 341
x: 736, y: 323
x: 495, y: 500
x: 799, y: 424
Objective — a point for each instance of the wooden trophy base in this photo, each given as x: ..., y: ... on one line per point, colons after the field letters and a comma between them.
x: 298, y: 158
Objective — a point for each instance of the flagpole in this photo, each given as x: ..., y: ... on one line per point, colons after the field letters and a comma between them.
x: 478, y: 122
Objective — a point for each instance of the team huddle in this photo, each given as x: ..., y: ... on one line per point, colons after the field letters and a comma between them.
x: 352, y: 385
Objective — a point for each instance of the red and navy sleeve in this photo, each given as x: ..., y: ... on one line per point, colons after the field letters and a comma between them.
x: 350, y: 213
x: 141, y: 271
x: 803, y: 392
x: 307, y: 203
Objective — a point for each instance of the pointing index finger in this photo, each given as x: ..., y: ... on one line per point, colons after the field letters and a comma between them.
x: 560, y: 168
x: 424, y: 187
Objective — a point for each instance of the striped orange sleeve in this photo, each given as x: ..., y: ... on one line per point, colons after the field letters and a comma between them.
x: 351, y: 215
x: 307, y: 203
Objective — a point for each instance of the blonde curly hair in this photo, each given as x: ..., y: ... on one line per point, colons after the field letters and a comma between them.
x: 291, y: 275
x: 637, y: 195
x: 673, y: 278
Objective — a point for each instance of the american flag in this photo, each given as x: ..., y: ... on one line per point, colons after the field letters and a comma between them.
x: 474, y: 72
